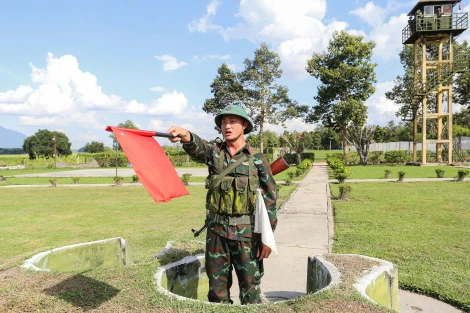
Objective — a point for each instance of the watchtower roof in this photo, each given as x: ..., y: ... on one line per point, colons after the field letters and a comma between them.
x: 421, y: 3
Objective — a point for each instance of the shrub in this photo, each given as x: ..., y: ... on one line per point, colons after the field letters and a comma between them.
x: 305, y: 164
x: 135, y: 178
x: 341, y: 174
x: 53, y: 182
x: 298, y: 172
x: 288, y: 181
x: 440, y: 173
x: 335, y: 163
x: 291, y: 175
x: 461, y: 174
x: 387, y: 174
x: 375, y: 157
x: 351, y: 158
x: 75, y: 180
x: 401, y: 175
x: 186, y: 178
x: 2, y: 179
x: 344, y: 191
x: 397, y: 156
x: 308, y: 156
x: 118, y: 180
x: 278, y: 189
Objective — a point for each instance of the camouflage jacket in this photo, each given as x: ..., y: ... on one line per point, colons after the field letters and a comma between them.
x: 204, y: 152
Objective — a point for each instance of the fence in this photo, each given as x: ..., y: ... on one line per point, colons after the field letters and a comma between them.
x: 408, y: 145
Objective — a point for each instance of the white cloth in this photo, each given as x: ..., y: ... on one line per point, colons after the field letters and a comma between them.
x: 262, y: 223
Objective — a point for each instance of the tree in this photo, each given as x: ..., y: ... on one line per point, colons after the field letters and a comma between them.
x: 127, y: 124
x: 296, y: 142
x: 361, y: 137
x: 347, y: 76
x: 266, y: 100
x: 461, y: 91
x: 94, y: 147
x: 226, y: 89
x: 41, y: 144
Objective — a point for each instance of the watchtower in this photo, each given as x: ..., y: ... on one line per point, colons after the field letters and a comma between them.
x: 432, y: 27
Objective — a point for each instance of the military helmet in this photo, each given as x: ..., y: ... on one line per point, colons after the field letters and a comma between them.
x: 234, y: 110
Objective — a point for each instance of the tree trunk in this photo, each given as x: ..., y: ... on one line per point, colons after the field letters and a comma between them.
x: 345, y: 144
x: 299, y: 157
x: 261, y: 122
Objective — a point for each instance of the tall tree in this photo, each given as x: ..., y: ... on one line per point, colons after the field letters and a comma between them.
x: 127, y: 124
x: 360, y: 137
x: 41, y: 144
x: 461, y: 91
x: 94, y: 147
x: 296, y: 142
x: 267, y: 101
x: 347, y: 76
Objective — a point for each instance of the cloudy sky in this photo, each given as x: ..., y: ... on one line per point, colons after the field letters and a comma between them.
x: 78, y: 66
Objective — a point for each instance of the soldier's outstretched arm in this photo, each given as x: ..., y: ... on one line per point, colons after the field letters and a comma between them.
x: 180, y: 134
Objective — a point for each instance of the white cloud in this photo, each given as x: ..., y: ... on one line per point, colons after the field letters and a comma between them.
x: 158, y: 89
x: 169, y: 104
x: 204, y: 23
x: 294, y: 124
x: 170, y: 63
x: 388, y: 37
x: 381, y: 110
x: 211, y: 56
x: 371, y: 13
x: 232, y: 67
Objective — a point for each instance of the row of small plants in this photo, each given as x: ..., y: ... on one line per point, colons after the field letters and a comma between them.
x: 340, y: 172
x: 300, y: 169
x: 461, y: 174
x: 118, y: 180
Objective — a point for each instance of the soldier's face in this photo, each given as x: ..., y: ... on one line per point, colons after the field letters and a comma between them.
x: 232, y: 127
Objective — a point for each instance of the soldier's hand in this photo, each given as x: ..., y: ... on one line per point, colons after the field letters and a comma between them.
x: 180, y: 134
x: 263, y: 252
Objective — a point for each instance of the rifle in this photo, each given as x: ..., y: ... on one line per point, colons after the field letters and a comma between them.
x: 277, y: 167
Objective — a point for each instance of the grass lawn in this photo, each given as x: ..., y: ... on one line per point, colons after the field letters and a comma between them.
x: 378, y: 171
x: 35, y: 220
x: 423, y: 227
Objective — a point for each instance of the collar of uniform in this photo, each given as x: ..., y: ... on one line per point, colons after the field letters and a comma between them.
x: 246, y: 148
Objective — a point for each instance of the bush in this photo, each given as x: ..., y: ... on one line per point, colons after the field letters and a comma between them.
x: 397, y: 156
x: 461, y: 174
x: 305, y: 164
x: 401, y: 175
x: 118, y: 180
x: 352, y: 158
x: 278, y: 189
x: 387, y: 174
x: 375, y: 157
x: 341, y: 174
x: 308, y: 156
x: 298, y: 172
x: 75, y: 180
x: 135, y: 178
x: 334, y: 163
x: 53, y: 182
x: 291, y: 175
x: 186, y: 178
x: 108, y: 159
x: 288, y: 181
x: 344, y: 191
x: 440, y: 173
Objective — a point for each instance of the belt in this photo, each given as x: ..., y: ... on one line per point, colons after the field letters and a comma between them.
x: 231, y: 220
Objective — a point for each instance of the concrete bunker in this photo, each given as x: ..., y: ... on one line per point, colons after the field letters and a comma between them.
x: 105, y: 253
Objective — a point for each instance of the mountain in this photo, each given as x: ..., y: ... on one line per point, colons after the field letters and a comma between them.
x: 10, y: 138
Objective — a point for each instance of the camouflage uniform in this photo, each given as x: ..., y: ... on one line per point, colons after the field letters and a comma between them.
x: 235, y: 246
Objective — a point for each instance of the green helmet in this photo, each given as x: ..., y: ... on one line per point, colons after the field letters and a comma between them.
x: 234, y: 110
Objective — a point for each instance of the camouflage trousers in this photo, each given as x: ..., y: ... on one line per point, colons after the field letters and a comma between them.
x: 222, y: 255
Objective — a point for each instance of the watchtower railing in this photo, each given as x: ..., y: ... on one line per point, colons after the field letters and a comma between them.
x: 455, y: 21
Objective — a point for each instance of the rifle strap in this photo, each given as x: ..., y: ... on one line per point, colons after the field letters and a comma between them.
x: 228, y: 169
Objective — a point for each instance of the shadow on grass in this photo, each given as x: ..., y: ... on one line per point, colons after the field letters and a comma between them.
x: 81, y: 291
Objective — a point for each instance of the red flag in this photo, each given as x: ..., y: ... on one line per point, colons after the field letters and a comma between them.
x: 150, y: 163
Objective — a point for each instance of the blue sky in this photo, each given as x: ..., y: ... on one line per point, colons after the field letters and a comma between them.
x: 78, y: 66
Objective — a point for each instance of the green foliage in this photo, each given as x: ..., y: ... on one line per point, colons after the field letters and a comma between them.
x: 11, y: 151
x: 351, y: 158
x: 291, y: 175
x: 53, y: 182
x: 118, y: 180
x: 440, y: 173
x: 298, y: 172
x: 305, y: 164
x: 401, y: 175
x: 334, y: 162
x: 344, y: 191
x: 135, y: 178
x: 347, y: 76
x: 185, y: 178
x: 387, y: 174
x: 375, y: 157
x: 288, y: 181
x: 308, y: 156
x: 75, y: 180
x: 108, y: 159
x: 94, y: 147
x: 341, y: 174
x: 398, y: 156
x: 461, y: 174
x: 41, y: 144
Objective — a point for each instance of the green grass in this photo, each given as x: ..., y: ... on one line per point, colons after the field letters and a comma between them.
x: 378, y: 171
x: 320, y: 155
x: 423, y: 227
x: 33, y: 170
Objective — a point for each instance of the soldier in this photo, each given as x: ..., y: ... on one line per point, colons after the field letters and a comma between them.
x: 235, y: 173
